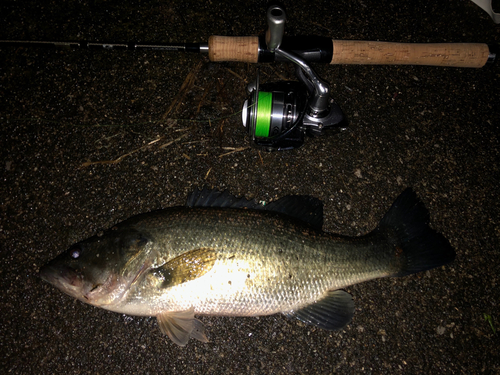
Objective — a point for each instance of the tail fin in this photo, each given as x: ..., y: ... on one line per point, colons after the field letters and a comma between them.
x: 406, y: 226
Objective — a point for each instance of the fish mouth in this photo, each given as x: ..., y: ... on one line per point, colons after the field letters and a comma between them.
x: 72, y: 282
x: 64, y: 278
x: 105, y: 291
x: 62, y: 274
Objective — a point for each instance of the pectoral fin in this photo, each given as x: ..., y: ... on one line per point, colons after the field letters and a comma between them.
x: 188, y: 266
x: 333, y: 312
x: 181, y: 325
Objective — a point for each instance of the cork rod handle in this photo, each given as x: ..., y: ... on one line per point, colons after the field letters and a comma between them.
x: 460, y: 55
x: 233, y: 48
x: 465, y: 55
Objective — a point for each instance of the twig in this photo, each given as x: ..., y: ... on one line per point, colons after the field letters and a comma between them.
x: 173, y: 141
x: 326, y: 28
x: 119, y: 159
x: 202, y: 100
x: 186, y: 86
x: 233, y: 151
x: 236, y: 75
x: 345, y: 186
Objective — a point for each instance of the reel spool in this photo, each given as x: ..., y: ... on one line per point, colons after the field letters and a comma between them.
x: 272, y: 114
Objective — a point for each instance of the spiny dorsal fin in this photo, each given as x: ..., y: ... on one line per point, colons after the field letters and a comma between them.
x: 332, y: 312
x: 187, y: 266
x: 216, y: 198
x: 181, y: 325
x: 302, y: 207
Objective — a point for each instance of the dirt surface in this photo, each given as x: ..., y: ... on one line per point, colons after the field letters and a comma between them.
x: 89, y: 138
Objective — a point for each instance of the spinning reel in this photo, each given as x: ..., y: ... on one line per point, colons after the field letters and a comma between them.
x: 278, y: 115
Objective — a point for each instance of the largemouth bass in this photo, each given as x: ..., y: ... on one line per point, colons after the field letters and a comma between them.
x: 222, y: 255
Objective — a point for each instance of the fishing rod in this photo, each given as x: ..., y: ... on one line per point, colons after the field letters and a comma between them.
x: 255, y: 49
x: 279, y: 115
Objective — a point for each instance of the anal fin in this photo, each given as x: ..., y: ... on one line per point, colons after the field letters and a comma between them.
x: 181, y: 325
x: 332, y: 312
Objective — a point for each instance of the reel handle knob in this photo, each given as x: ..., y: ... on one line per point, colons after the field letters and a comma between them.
x: 276, y: 19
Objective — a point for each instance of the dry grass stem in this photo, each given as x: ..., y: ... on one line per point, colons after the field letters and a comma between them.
x: 119, y: 159
x: 236, y: 75
x: 186, y: 86
x: 206, y: 176
x: 173, y: 141
x: 233, y: 150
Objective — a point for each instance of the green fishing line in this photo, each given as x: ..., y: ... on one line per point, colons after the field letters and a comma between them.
x: 263, y: 120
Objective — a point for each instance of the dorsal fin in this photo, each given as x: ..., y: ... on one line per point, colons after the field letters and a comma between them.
x: 216, y: 198
x: 302, y: 207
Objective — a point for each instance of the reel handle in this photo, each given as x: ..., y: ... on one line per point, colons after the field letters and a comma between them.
x: 461, y: 55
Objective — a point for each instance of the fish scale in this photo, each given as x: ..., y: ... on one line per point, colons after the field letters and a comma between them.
x: 280, y: 255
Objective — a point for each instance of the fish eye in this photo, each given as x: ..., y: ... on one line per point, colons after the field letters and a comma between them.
x: 75, y: 253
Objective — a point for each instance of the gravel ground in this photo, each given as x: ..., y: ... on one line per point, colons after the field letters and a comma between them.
x: 89, y: 139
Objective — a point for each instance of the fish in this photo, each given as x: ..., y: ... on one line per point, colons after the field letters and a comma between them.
x: 229, y: 256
